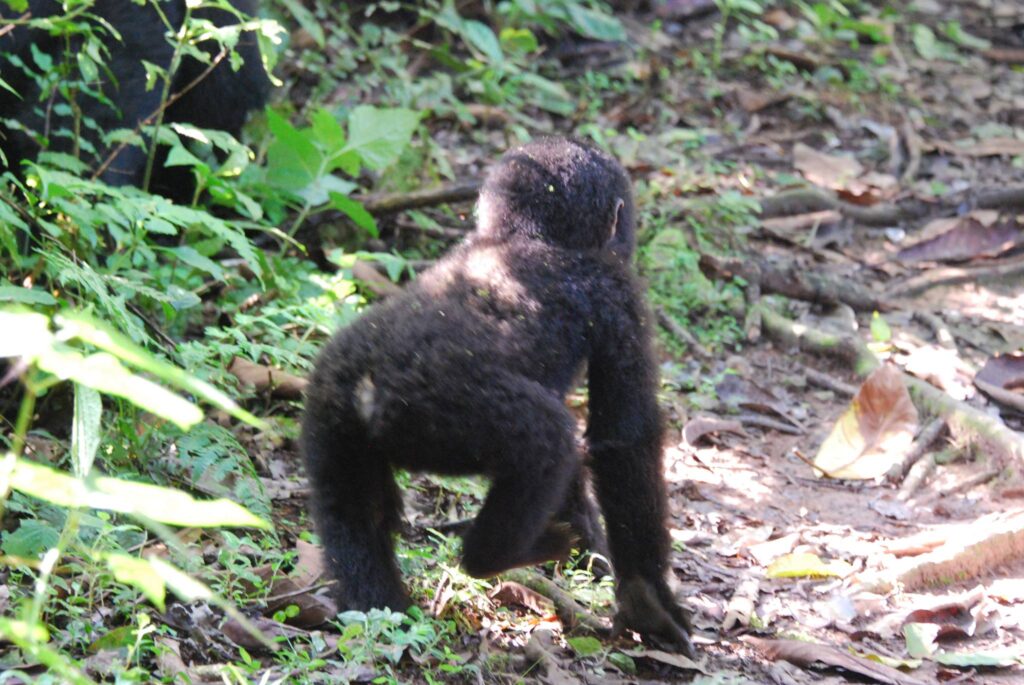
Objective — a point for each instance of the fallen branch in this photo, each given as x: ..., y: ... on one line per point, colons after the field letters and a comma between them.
x: 957, y: 275
x: 792, y: 281
x: 399, y: 202
x: 846, y: 348
x: 809, y: 199
x: 823, y: 380
x: 681, y: 334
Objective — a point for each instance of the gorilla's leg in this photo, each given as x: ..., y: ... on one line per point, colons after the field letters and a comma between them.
x: 357, y: 506
x: 535, y: 464
x: 580, y: 511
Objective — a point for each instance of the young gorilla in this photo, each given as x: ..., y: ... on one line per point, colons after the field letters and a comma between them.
x: 120, y: 97
x: 466, y: 373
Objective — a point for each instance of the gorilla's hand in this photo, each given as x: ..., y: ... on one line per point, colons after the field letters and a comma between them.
x: 649, y: 608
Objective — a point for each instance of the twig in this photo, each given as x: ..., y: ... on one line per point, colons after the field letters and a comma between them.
x: 913, y: 143
x: 684, y: 336
x: 962, y: 486
x: 810, y: 199
x: 823, y: 380
x: 925, y: 438
x: 957, y: 275
x: 398, y: 202
x: 770, y: 424
x: 916, y: 477
x: 159, y: 110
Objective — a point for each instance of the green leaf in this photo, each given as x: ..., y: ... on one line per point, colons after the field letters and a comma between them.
x: 187, y: 588
x: 105, y: 373
x: 355, y: 211
x: 519, y: 40
x: 15, y: 293
x: 293, y: 161
x: 594, y: 24
x: 585, y: 646
x: 327, y: 131
x: 880, y: 330
x: 306, y: 20
x: 623, y: 662
x: 481, y: 37
x: 151, y: 502
x: 982, y: 659
x: 380, y: 136
x: 140, y: 574
x: 31, y: 539
x: 85, y: 429
x: 83, y: 327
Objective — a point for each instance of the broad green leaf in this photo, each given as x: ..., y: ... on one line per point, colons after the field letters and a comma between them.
x: 319, y: 191
x: 874, y: 432
x: 380, y: 135
x: 880, y: 331
x: 19, y: 295
x: 186, y: 587
x: 327, y: 132
x: 189, y: 255
x: 623, y: 662
x: 83, y: 327
x: 105, y: 373
x: 85, y: 429
x: 151, y: 502
x: 480, y: 36
x: 31, y: 539
x: 593, y: 24
x: 807, y: 565
x: 293, y: 161
x: 138, y: 573
x: 355, y: 211
x: 519, y: 40
x: 585, y: 645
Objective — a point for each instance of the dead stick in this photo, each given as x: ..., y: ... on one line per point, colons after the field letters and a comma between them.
x: 957, y: 275
x: 963, y: 486
x: 823, y: 380
x: 399, y: 202
x: 925, y: 438
x: 684, y: 336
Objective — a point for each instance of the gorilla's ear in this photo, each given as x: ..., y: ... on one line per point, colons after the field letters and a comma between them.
x: 619, y: 204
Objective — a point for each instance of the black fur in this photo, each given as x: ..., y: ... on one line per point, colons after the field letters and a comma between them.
x: 466, y: 372
x: 221, y: 100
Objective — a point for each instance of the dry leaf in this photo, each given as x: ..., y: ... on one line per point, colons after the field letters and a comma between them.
x: 828, y: 171
x: 874, y: 432
x: 806, y: 654
x: 280, y: 383
x: 1002, y: 379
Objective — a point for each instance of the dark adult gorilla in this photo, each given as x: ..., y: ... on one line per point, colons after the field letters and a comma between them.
x: 466, y: 372
x: 119, y: 98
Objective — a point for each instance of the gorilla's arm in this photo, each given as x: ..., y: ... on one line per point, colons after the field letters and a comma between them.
x: 624, y: 433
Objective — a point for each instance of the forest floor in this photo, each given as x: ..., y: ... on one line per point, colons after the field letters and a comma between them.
x: 908, y: 182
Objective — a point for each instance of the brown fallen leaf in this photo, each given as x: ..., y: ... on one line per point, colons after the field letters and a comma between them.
x: 280, y: 383
x: 874, y: 432
x: 511, y: 593
x: 808, y: 654
x: 828, y: 171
